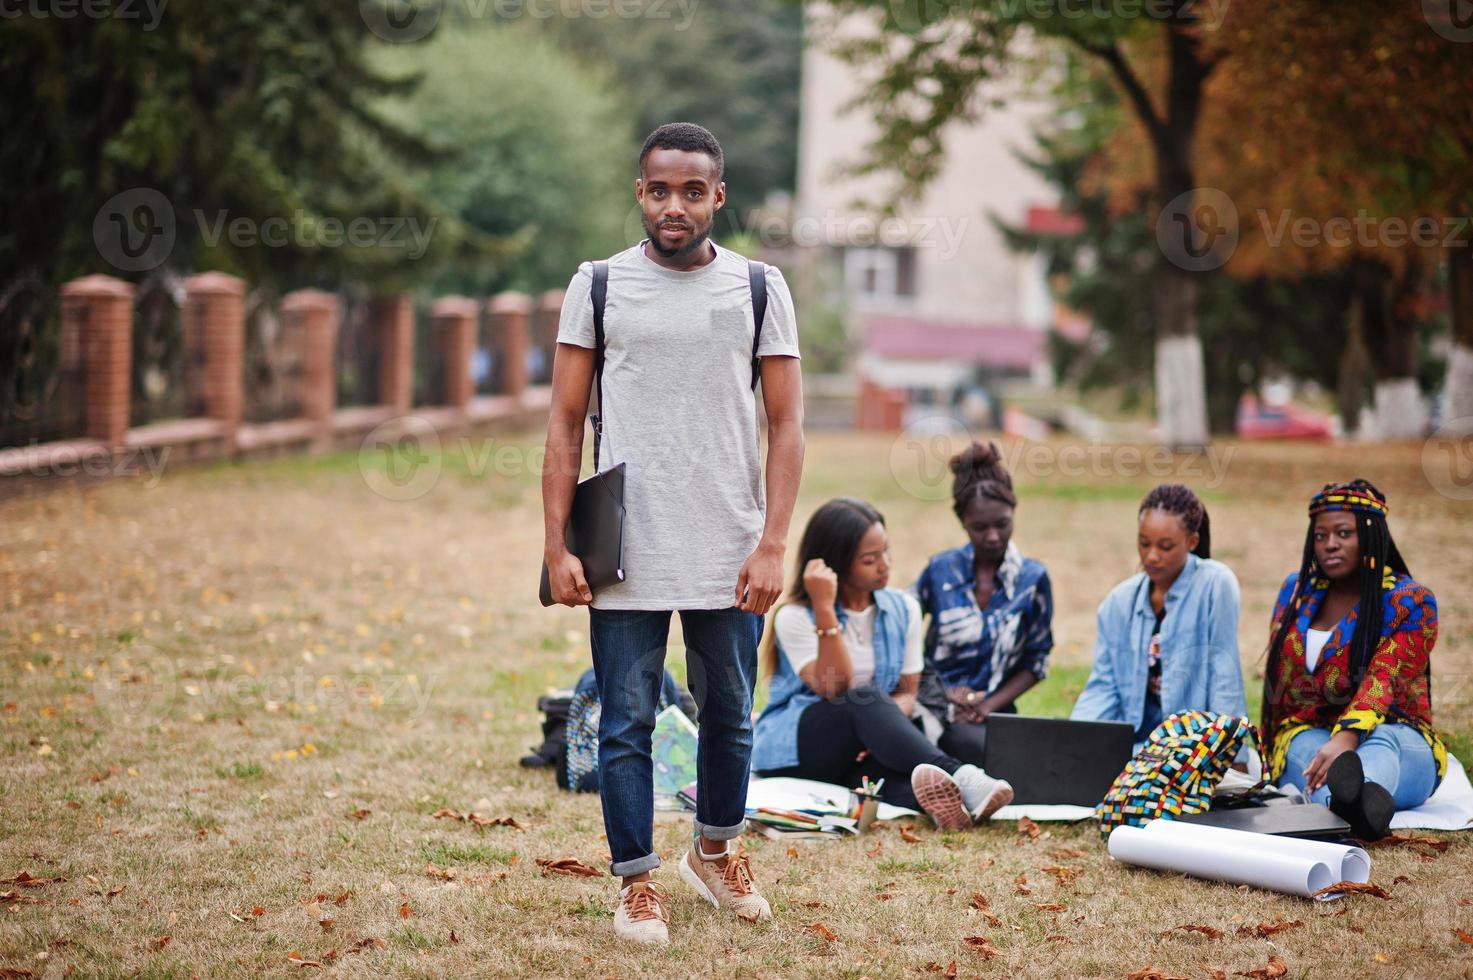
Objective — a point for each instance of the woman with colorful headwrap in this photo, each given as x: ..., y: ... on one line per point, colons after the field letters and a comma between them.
x: 1347, y: 696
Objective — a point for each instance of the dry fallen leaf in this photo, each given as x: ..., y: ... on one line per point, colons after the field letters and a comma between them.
x: 823, y: 930
x: 161, y: 941
x: 27, y: 880
x: 792, y: 851
x: 1061, y: 853
x: 1049, y: 906
x: 1353, y: 888
x: 1028, y: 827
x: 295, y: 959
x: 484, y: 821
x: 368, y: 943
x: 405, y: 911
x: 980, y: 903
x: 1265, y: 929
x: 982, y: 946
x: 444, y: 874
x: 877, y: 849
x: 1020, y: 885
x: 1066, y: 874
x: 567, y: 866
x: 1464, y: 937
x: 908, y: 835
x: 362, y: 813
x: 1151, y: 973
x: 454, y: 939
x: 1275, y: 968
x: 1207, y: 931
x: 341, y: 899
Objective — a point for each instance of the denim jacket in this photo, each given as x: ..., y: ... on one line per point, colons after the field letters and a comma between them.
x: 775, y: 740
x: 1200, y: 668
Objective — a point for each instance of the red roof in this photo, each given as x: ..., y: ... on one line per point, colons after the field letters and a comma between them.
x: 925, y: 339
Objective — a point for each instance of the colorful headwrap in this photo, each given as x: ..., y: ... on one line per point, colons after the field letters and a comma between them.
x: 1343, y: 496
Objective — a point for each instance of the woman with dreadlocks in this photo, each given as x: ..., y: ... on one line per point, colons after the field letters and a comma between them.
x: 1166, y: 639
x: 1347, y: 699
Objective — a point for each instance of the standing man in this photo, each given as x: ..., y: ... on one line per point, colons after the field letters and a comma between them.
x: 679, y: 410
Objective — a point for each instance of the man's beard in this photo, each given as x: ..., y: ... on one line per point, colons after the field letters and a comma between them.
x: 697, y: 240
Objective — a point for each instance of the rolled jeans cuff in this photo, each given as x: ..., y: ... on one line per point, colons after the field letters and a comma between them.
x: 623, y: 869
x: 720, y: 833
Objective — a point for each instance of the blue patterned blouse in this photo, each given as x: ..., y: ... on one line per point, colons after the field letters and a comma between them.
x: 981, y: 648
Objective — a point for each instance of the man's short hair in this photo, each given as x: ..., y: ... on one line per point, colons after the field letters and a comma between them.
x: 684, y: 136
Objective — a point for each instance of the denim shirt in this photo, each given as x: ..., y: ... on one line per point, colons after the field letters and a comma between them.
x: 1200, y: 667
x: 775, y: 739
x: 981, y: 648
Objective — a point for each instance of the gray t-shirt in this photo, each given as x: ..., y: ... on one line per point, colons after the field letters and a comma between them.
x: 679, y: 411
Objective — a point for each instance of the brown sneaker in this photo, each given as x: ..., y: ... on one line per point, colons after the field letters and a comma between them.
x: 726, y: 882
x: 641, y: 915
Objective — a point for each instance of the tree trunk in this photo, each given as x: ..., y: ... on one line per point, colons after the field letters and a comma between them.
x: 1459, y: 397
x: 1390, y: 325
x: 1350, y: 380
x: 1181, y: 389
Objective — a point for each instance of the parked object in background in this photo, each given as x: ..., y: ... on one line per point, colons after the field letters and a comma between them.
x: 1288, y: 421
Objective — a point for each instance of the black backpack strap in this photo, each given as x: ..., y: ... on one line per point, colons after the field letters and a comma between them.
x: 757, y: 276
x: 599, y: 293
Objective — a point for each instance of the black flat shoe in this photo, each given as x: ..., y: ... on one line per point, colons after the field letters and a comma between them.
x: 1345, y: 780
x: 1374, y: 811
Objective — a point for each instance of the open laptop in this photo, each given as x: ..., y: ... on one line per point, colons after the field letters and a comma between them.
x: 1056, y: 760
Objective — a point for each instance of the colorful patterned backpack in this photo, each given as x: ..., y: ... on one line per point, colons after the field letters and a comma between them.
x: 1176, y: 771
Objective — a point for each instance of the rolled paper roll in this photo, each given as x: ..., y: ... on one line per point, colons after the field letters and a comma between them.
x: 1236, y: 864
x: 1350, y: 863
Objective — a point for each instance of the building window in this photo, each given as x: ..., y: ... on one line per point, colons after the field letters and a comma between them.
x: 879, y: 276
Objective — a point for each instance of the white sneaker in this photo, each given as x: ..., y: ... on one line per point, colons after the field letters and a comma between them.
x: 982, y: 795
x: 641, y: 915
x: 940, y: 796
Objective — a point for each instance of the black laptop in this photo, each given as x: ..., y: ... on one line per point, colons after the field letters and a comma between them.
x: 1056, y: 760
x: 1308, y: 820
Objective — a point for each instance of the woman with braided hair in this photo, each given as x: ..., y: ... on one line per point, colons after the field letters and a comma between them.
x: 1166, y: 639
x: 1347, y: 700
x: 991, y: 609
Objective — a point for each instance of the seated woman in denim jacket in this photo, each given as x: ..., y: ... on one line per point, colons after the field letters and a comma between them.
x: 1347, y: 696
x: 991, y: 609
x: 844, y: 663
x: 1166, y: 639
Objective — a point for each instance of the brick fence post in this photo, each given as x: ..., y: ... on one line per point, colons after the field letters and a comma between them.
x: 97, y: 311
x: 214, y: 319
x: 544, y: 331
x: 510, y: 315
x: 453, y: 322
x: 393, y: 320
x: 314, y: 315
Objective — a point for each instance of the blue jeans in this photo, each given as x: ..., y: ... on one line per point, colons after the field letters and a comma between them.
x: 629, y: 664
x: 1394, y: 755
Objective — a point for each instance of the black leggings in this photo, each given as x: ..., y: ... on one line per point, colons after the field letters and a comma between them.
x: 831, y: 733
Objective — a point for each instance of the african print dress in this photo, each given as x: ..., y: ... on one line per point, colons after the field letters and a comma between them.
x: 1397, y: 686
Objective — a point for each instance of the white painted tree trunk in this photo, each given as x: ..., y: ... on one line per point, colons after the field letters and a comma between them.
x: 1181, y: 392
x: 1459, y: 384
x: 1399, y: 410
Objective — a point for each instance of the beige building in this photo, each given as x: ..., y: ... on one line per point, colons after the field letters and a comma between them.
x: 937, y: 300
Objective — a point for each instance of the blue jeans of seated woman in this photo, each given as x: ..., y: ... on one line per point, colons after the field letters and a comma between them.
x: 1394, y: 755
x: 629, y: 664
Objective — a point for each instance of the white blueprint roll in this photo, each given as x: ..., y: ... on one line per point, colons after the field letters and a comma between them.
x: 1346, y: 862
x: 1289, y: 873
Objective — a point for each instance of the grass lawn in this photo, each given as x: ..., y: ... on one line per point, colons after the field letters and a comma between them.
x: 233, y: 703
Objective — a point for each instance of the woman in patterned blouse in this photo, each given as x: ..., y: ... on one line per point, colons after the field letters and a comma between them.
x: 991, y: 609
x: 1347, y: 699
